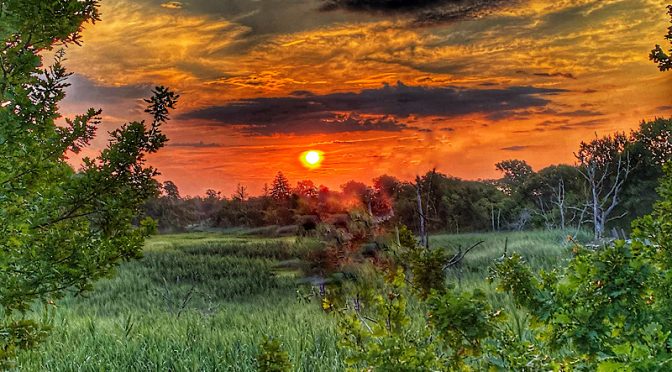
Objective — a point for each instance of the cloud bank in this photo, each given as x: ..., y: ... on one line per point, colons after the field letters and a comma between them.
x: 388, y: 108
x: 422, y: 12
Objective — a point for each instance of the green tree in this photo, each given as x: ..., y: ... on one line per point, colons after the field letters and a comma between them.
x: 651, y: 148
x: 62, y: 229
x: 610, y: 308
x: 659, y: 55
x: 516, y: 172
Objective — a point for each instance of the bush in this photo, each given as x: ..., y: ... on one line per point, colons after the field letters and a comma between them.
x: 272, y: 358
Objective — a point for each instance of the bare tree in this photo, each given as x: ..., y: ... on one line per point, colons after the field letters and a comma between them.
x: 421, y: 212
x: 605, y: 165
x: 241, y: 193
x: 559, y: 199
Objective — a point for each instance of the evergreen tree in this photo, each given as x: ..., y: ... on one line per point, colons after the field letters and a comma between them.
x: 280, y: 188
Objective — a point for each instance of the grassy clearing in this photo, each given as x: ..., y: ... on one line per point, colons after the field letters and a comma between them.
x: 194, y: 302
x: 205, y: 301
x: 542, y: 249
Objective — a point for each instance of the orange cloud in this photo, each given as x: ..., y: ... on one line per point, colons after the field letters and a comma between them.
x: 213, y: 60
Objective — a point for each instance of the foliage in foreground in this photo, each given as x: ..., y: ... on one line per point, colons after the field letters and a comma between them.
x: 659, y: 55
x: 272, y: 358
x: 609, y: 310
x: 62, y: 229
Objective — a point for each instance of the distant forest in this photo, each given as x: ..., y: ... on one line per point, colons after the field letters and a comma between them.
x: 613, y: 182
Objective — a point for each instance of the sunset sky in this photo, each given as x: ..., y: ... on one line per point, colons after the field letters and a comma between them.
x: 377, y: 86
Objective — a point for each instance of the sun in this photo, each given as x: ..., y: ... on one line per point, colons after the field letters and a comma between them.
x: 312, y: 159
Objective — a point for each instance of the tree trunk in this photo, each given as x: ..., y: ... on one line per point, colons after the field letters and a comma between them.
x: 561, y: 202
x: 492, y: 216
x: 423, y: 232
x: 596, y: 212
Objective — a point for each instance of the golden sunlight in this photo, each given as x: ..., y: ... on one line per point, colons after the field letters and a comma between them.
x: 312, y: 159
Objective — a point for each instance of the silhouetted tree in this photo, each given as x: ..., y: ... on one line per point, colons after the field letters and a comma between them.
x: 306, y: 189
x: 280, y: 189
x: 659, y: 55
x: 170, y: 190
x: 213, y: 194
x: 241, y: 193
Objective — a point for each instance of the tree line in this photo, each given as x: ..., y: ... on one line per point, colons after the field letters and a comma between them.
x: 612, y: 182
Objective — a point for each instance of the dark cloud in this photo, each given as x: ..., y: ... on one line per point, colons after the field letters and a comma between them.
x: 384, y: 5
x: 561, y: 125
x: 302, y: 93
x: 422, y: 12
x: 664, y: 108
x: 121, y: 102
x: 550, y: 123
x: 388, y: 108
x: 579, y: 113
x: 172, y: 5
x: 262, y: 17
x: 353, y: 122
x: 566, y: 75
x: 82, y: 89
x: 515, y: 148
x: 527, y: 114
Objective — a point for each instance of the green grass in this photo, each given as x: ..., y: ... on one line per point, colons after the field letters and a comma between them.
x: 204, y: 302
x: 541, y: 249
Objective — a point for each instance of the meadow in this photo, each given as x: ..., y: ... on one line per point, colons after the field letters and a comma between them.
x: 205, y: 301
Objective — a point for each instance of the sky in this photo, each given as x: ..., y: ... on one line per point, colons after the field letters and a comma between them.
x: 378, y: 86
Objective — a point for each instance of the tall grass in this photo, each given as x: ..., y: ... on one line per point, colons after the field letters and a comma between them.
x: 194, y: 302
x: 541, y: 249
x: 204, y: 302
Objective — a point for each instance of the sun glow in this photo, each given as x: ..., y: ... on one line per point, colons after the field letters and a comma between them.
x: 312, y: 159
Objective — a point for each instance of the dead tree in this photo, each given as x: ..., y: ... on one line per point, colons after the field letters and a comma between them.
x: 421, y: 212
x: 241, y: 193
x: 559, y: 197
x: 605, y: 165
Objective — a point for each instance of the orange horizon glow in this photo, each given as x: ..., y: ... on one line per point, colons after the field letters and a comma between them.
x: 338, y: 83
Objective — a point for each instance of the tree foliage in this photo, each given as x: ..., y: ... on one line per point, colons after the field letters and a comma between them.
x: 624, y: 168
x: 609, y: 309
x: 661, y: 56
x: 62, y: 228
x: 272, y: 358
x: 516, y: 172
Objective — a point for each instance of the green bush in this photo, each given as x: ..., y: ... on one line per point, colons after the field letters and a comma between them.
x: 609, y: 309
x: 272, y: 358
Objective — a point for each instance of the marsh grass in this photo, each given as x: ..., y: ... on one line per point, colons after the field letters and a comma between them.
x: 205, y: 302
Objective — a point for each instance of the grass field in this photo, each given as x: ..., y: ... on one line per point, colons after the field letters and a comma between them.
x: 205, y: 301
